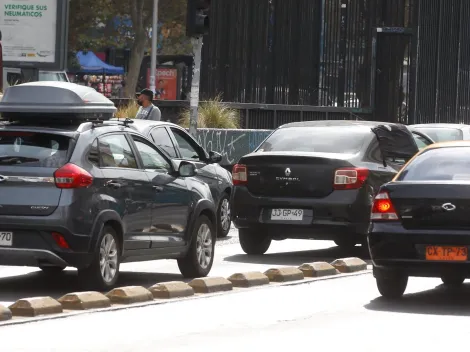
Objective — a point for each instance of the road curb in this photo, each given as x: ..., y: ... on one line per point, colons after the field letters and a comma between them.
x: 84, y: 301
x: 349, y: 265
x: 318, y: 269
x: 285, y: 274
x: 47, y: 308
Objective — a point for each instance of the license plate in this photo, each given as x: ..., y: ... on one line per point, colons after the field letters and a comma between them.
x: 446, y: 253
x: 6, y: 239
x: 287, y: 214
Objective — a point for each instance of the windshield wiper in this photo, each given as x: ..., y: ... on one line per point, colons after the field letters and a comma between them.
x: 10, y: 160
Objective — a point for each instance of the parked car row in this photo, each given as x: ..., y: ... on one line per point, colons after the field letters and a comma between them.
x: 83, y: 190
x: 384, y: 185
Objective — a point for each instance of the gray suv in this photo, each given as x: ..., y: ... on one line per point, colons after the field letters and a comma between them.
x: 91, y: 195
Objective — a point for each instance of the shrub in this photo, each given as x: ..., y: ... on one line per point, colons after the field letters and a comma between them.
x: 129, y: 110
x: 213, y: 113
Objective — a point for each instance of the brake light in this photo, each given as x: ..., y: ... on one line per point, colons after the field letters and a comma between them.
x: 350, y: 178
x: 239, y: 175
x: 383, y: 208
x: 60, y: 240
x: 72, y: 176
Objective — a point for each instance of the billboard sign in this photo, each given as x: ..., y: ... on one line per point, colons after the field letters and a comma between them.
x: 34, y: 33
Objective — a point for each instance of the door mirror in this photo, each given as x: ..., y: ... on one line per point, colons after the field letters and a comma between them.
x: 215, y: 157
x: 187, y: 169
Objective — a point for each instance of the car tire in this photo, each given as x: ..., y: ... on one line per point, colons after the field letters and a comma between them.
x: 452, y: 279
x: 391, y: 285
x: 346, y: 242
x: 103, y: 273
x: 200, y: 256
x: 224, y: 218
x: 52, y: 270
x: 252, y: 242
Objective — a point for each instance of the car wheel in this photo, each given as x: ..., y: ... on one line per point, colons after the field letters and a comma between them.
x: 200, y: 257
x: 452, y: 279
x: 52, y: 270
x: 346, y: 242
x: 253, y: 242
x: 224, y: 216
x: 103, y: 272
x: 391, y: 285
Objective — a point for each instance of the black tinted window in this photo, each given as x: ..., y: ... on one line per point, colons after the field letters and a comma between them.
x: 187, y: 148
x: 151, y: 157
x: 442, y: 164
x: 161, y: 138
x: 345, y: 140
x: 33, y: 149
x: 115, y: 151
x: 444, y: 134
x: 94, y: 155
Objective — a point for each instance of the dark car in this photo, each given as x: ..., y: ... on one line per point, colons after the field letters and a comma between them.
x: 91, y: 195
x: 180, y: 145
x: 420, y: 220
x: 444, y: 132
x: 315, y: 180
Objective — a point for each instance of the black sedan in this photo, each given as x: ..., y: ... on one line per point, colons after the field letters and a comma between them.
x: 420, y: 221
x: 180, y: 145
x: 316, y: 180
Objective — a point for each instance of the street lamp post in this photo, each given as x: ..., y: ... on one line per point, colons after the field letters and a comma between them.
x: 153, y: 61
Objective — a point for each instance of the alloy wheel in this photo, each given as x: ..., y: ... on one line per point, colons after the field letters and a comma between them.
x: 204, y: 246
x: 225, y: 214
x: 108, y: 258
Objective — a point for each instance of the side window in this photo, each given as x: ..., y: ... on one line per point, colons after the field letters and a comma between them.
x: 151, y: 157
x: 187, y: 149
x: 420, y: 141
x: 115, y: 151
x: 94, y: 154
x: 161, y: 138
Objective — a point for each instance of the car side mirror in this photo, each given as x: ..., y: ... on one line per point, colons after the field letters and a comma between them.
x: 215, y: 157
x: 187, y: 169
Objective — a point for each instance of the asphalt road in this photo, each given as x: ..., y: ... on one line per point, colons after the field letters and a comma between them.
x: 21, y: 282
x: 332, y: 315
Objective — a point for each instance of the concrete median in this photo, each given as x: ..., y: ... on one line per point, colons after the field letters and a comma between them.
x: 318, y: 269
x: 349, y: 265
x: 211, y: 285
x: 84, y: 301
x: 248, y: 279
x: 34, y: 306
x: 173, y: 289
x: 5, y: 313
x: 129, y: 295
x: 285, y: 274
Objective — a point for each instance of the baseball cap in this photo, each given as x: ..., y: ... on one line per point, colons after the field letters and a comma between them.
x: 147, y: 92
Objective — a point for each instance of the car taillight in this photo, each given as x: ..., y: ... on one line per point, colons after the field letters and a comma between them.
x: 383, y: 208
x: 239, y: 175
x: 72, y: 176
x: 60, y: 240
x: 350, y: 178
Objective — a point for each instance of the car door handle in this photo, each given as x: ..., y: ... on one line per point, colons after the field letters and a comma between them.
x: 113, y: 184
x: 158, y: 188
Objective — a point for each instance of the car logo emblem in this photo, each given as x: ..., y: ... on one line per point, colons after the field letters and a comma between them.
x: 448, y: 207
x: 3, y: 178
x: 287, y: 172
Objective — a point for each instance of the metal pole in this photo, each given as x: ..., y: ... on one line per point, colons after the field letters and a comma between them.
x: 153, y: 61
x: 194, y: 98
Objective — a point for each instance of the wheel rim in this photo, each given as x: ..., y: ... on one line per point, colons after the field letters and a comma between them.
x: 108, y: 258
x: 204, y: 246
x: 225, y: 214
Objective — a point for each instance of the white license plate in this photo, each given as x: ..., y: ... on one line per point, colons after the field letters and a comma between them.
x: 6, y: 239
x: 287, y: 214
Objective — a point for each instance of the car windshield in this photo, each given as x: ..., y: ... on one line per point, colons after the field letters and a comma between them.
x: 442, y: 134
x: 33, y: 149
x: 441, y: 164
x: 342, y: 140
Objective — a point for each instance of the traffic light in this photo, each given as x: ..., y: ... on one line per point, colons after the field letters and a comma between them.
x: 197, y: 21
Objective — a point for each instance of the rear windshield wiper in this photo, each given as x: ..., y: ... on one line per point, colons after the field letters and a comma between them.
x: 11, y: 160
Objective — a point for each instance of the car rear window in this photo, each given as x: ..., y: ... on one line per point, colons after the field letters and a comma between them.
x: 33, y: 149
x: 441, y: 164
x: 342, y: 140
x: 442, y: 134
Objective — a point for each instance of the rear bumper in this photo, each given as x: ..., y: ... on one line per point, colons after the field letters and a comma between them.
x: 342, y: 213
x: 393, y: 247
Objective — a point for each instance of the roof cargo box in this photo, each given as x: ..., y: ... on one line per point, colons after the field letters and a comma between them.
x: 55, y: 101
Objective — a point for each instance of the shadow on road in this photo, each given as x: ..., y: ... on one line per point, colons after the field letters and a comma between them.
x: 438, y: 301
x: 39, y: 284
x: 300, y: 257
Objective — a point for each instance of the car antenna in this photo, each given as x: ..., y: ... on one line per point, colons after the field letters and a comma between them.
x: 127, y: 121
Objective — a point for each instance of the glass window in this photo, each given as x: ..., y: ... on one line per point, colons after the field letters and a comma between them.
x: 94, y: 155
x: 441, y: 164
x: 161, y: 138
x: 52, y: 76
x: 115, y: 151
x: 151, y: 157
x: 442, y: 134
x: 344, y: 140
x: 33, y: 149
x: 187, y: 149
x: 420, y: 141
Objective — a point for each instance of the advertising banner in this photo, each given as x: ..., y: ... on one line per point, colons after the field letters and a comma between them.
x: 166, y: 83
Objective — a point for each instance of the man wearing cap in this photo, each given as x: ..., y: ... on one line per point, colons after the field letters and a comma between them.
x: 147, y: 110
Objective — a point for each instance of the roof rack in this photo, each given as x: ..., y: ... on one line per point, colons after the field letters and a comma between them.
x: 114, y: 122
x: 58, y: 102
